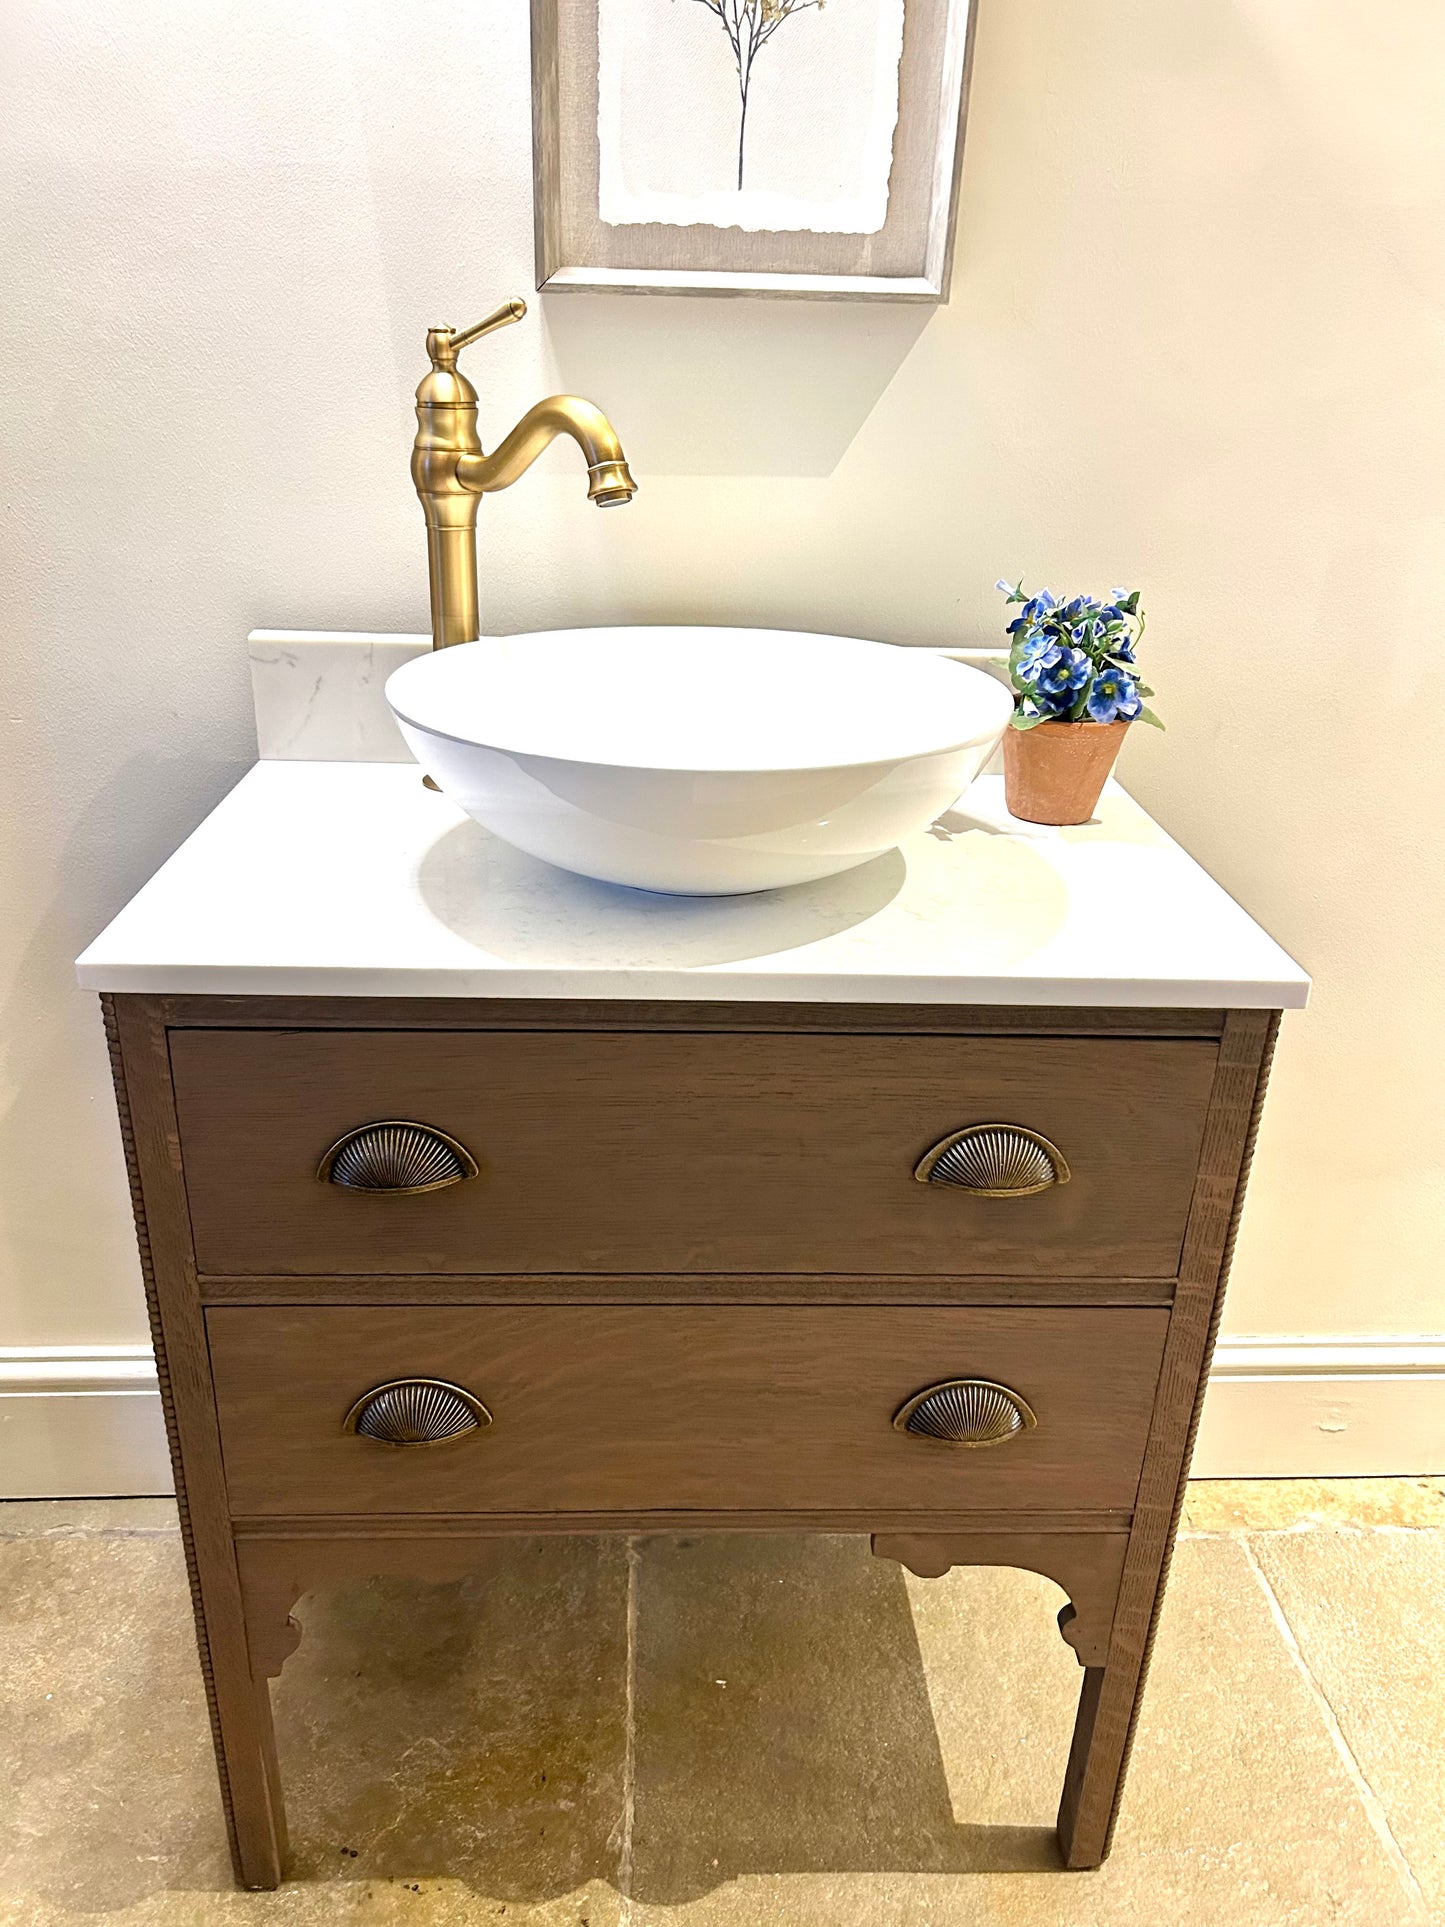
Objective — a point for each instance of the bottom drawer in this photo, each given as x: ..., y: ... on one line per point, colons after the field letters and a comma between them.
x: 636, y: 1408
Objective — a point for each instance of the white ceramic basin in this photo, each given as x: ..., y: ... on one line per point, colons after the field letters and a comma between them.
x: 701, y: 762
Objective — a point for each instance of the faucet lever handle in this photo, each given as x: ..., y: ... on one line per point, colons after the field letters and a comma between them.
x: 444, y: 344
x: 502, y: 317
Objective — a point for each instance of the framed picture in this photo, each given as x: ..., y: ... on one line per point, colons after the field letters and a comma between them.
x: 784, y: 147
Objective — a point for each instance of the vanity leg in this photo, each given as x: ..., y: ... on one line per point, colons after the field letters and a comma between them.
x: 1093, y: 1782
x: 1103, y: 1738
x: 237, y: 1695
x: 261, y: 1849
x: 244, y: 1736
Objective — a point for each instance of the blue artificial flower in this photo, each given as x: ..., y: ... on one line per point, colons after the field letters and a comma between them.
x: 1039, y: 653
x: 1067, y: 676
x: 1123, y: 647
x: 1055, y: 707
x: 1004, y: 588
x: 1113, y: 697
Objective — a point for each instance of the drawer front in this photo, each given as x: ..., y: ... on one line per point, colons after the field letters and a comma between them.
x: 639, y: 1152
x: 602, y: 1408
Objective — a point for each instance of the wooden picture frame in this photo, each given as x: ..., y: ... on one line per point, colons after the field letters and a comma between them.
x: 908, y: 258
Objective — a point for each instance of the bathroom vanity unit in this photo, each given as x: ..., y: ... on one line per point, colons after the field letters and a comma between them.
x: 475, y: 1199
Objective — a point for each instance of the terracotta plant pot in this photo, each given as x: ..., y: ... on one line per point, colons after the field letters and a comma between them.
x: 1054, y: 772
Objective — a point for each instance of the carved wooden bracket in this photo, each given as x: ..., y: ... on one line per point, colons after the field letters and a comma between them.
x: 1088, y: 1565
x: 276, y: 1572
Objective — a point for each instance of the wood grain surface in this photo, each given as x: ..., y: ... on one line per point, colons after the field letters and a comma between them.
x: 1109, y: 1704
x: 680, y: 1406
x: 676, y: 1288
x: 178, y: 1011
x: 1087, y: 1565
x: 240, y: 1709
x: 679, y: 1152
x: 716, y: 1162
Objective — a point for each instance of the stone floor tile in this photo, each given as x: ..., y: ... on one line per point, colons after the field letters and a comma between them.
x: 475, y: 1729
x: 885, y: 1751
x: 1366, y: 1609
x: 451, y: 1753
x: 814, y: 1786
x: 105, y: 1773
x: 1273, y: 1505
x: 784, y: 1721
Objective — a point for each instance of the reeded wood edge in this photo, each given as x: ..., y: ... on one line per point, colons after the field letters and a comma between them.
x: 168, y: 1409
x: 1264, y: 1059
x: 238, y: 1700
x: 1112, y: 1694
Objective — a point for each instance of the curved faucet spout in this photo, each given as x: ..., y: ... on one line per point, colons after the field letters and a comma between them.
x: 609, y: 482
x: 452, y: 474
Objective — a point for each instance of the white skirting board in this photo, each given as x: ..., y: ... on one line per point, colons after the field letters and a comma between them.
x: 1324, y: 1407
x: 81, y: 1421
x: 84, y: 1421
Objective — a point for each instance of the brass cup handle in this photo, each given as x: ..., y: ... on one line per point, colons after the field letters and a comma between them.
x: 994, y: 1161
x: 416, y: 1411
x: 396, y: 1157
x: 969, y: 1412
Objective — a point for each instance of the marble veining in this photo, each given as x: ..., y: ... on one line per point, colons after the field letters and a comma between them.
x: 319, y: 698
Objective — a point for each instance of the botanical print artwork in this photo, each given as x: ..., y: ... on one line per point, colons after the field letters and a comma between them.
x: 749, y: 26
x: 756, y: 114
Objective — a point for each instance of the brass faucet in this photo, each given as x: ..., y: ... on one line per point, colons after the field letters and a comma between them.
x: 452, y: 474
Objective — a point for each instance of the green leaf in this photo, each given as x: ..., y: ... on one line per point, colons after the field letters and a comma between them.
x: 1148, y: 716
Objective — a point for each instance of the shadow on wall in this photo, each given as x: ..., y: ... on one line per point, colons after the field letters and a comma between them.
x: 722, y: 387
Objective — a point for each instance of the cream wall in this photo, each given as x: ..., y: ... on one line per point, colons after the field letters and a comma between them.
x: 1196, y: 341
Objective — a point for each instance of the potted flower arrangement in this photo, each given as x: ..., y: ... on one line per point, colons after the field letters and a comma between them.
x: 1072, y: 665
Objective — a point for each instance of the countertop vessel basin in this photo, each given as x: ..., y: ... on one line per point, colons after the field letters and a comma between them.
x: 698, y: 761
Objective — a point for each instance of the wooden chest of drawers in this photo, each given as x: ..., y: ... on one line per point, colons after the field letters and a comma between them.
x: 424, y: 1273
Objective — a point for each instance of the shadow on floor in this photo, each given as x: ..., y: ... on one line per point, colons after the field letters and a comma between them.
x: 780, y: 1723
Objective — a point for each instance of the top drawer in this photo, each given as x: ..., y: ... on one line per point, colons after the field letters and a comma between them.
x: 659, y: 1151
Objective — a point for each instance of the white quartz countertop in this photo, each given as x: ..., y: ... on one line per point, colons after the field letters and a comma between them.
x: 351, y: 879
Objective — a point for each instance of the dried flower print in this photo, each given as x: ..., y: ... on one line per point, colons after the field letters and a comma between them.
x: 749, y: 26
